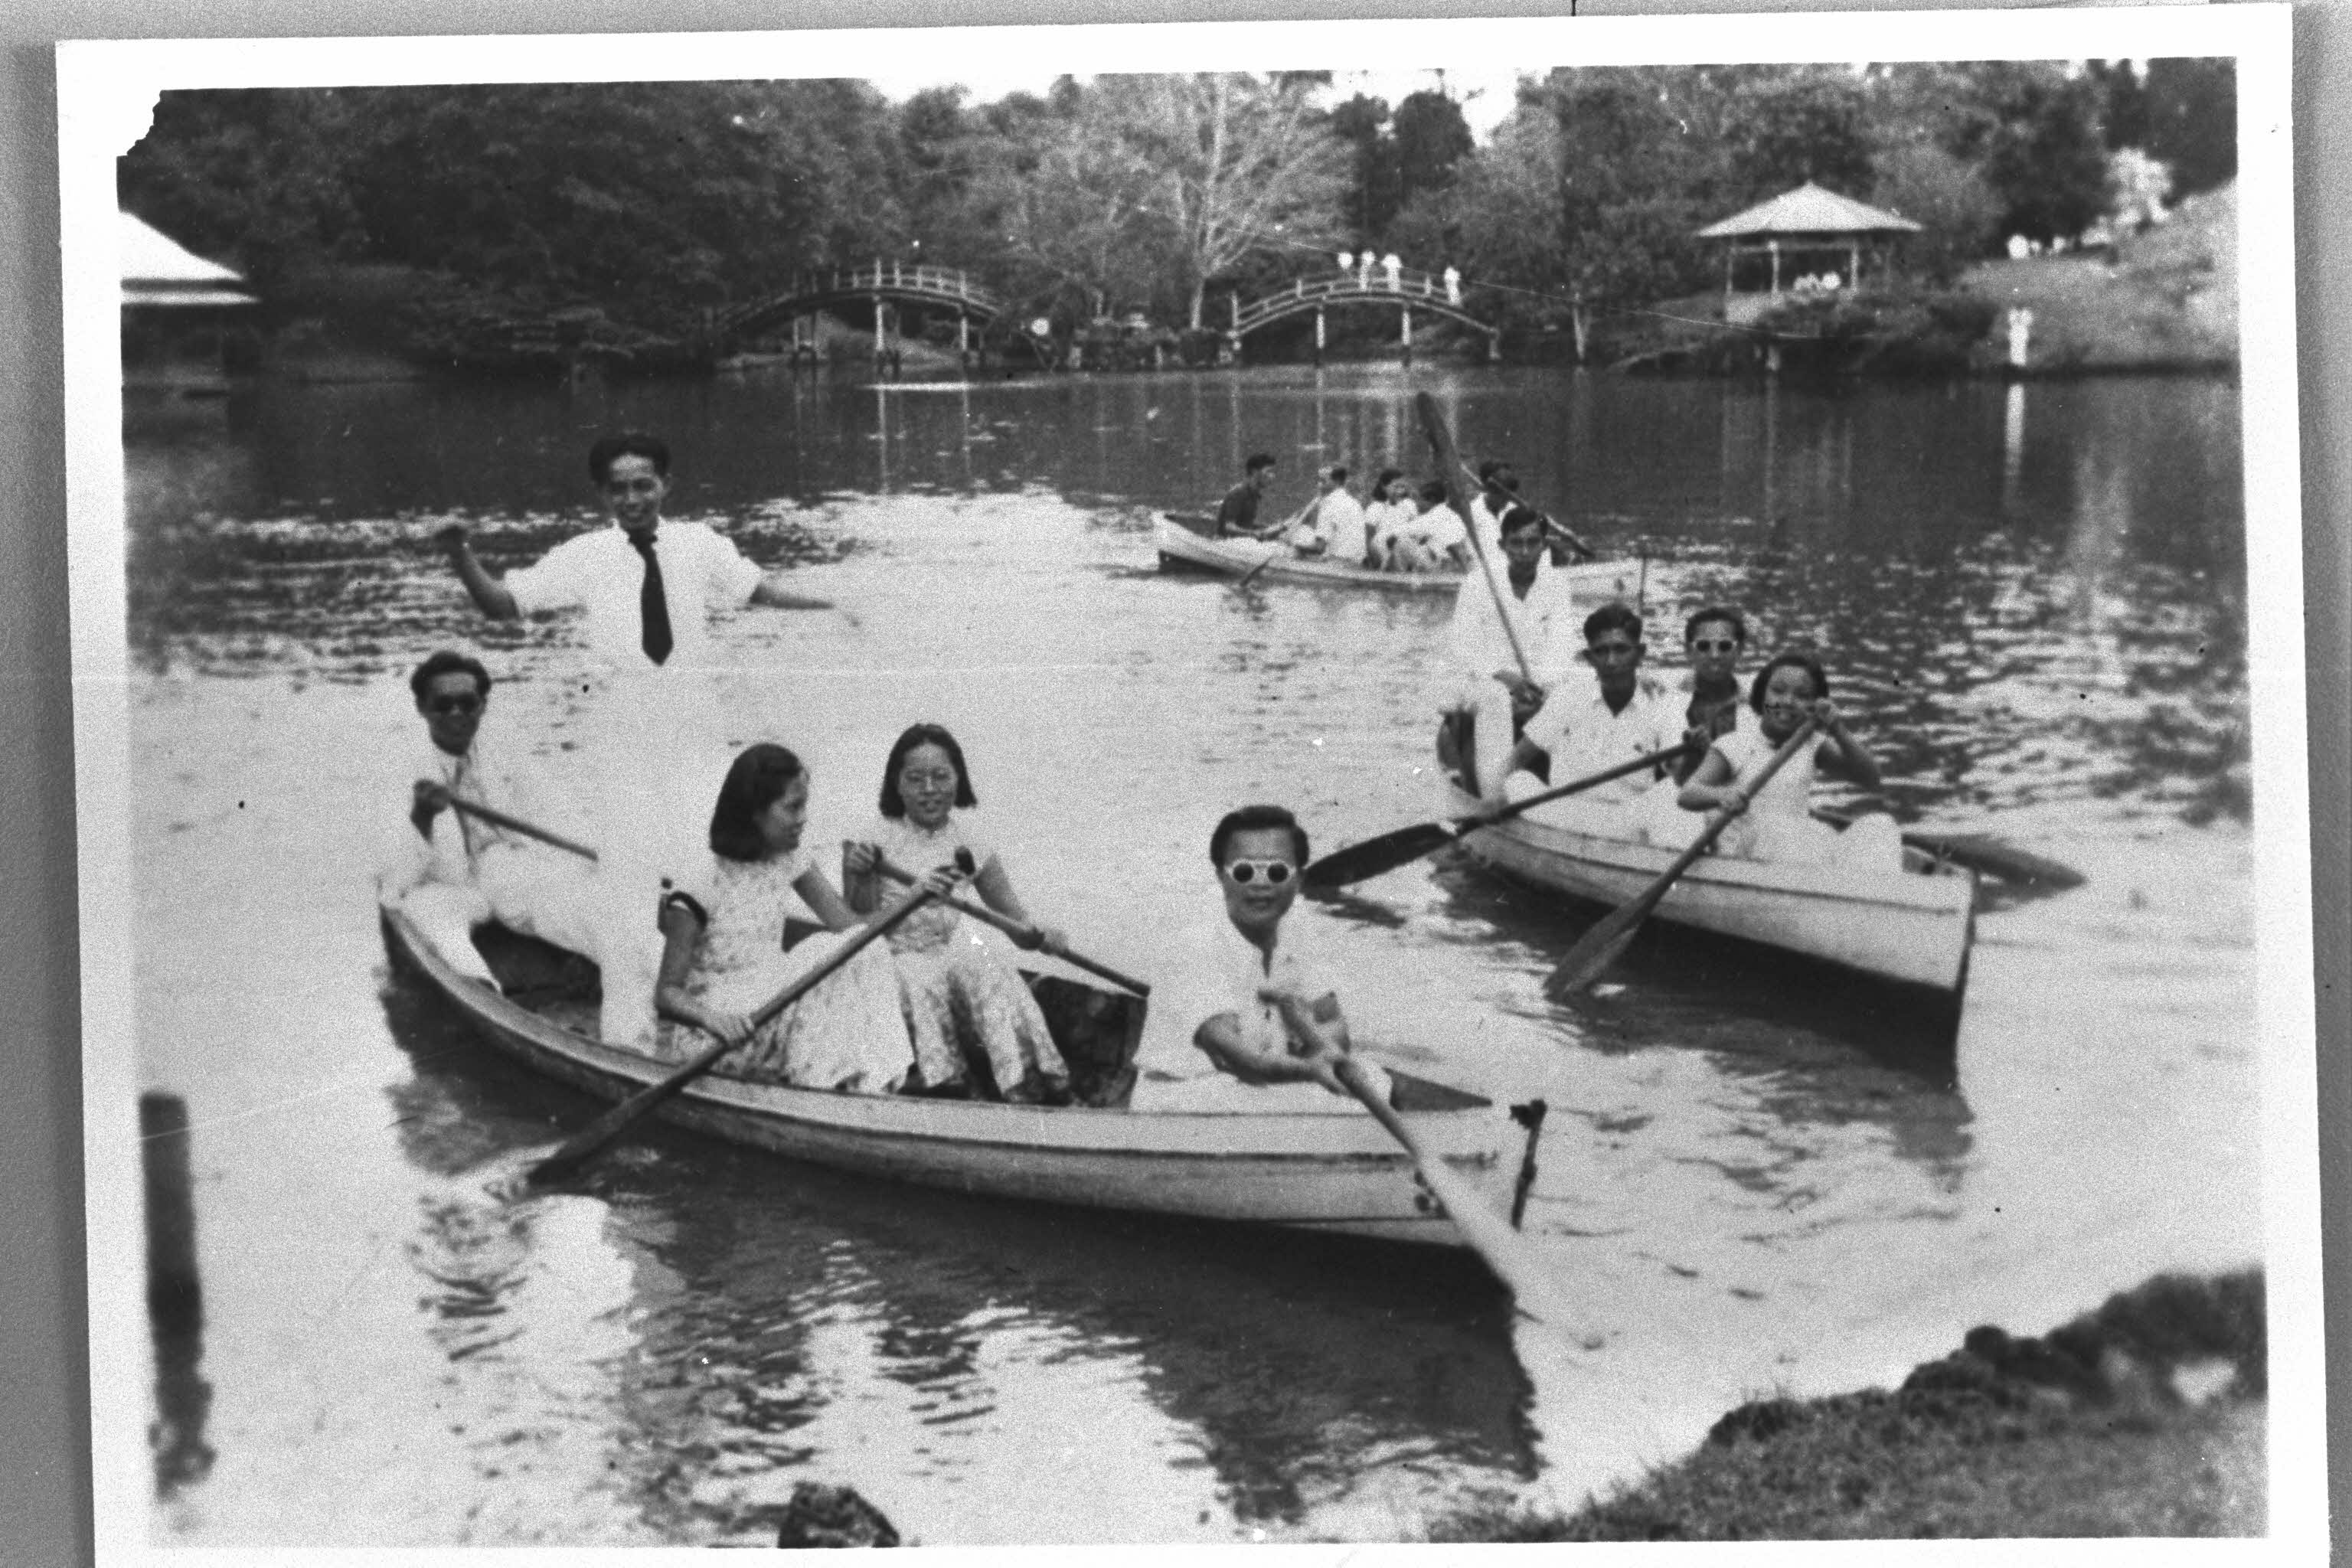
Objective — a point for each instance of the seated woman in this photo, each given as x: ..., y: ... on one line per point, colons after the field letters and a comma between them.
x: 1435, y: 541
x: 723, y: 930
x: 964, y: 1002
x: 1777, y: 822
x: 1391, y: 508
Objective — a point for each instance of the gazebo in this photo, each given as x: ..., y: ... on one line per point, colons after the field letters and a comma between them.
x: 1811, y: 226
x: 175, y: 305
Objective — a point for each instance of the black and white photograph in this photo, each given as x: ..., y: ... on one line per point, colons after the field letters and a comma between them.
x: 1302, y: 784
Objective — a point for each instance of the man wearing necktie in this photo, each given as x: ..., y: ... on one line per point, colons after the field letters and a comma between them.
x: 646, y: 709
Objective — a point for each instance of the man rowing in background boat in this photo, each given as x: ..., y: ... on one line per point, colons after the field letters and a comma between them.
x: 1237, y: 515
x: 1498, y: 491
x: 1252, y: 1022
x: 1335, y: 527
x: 1488, y: 682
x: 449, y: 873
x: 1588, y: 725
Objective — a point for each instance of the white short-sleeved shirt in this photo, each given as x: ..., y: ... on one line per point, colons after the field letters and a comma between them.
x: 1220, y: 973
x: 1583, y: 737
x: 1440, y: 528
x: 1545, y: 621
x: 1384, y: 517
x: 603, y: 574
x: 1339, y: 525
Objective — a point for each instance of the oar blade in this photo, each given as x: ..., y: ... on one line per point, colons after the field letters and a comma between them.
x: 1362, y: 862
x: 1998, y: 859
x: 1598, y: 949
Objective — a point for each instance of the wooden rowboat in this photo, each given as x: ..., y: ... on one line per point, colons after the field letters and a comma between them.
x: 1189, y: 543
x: 1335, y: 1172
x: 1912, y: 929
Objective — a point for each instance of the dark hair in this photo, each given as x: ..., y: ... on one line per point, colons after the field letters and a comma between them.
x: 1253, y: 818
x: 1516, y: 518
x: 1258, y: 460
x: 1615, y: 614
x: 448, y: 661
x: 1337, y: 472
x: 1433, y: 491
x: 1389, y: 477
x: 893, y: 804
x: 610, y: 449
x: 756, y: 780
x: 1795, y: 658
x: 1718, y: 613
x: 1489, y: 469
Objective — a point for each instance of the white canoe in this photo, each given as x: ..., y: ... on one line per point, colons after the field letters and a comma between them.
x: 1911, y: 928
x: 1335, y: 1172
x: 1183, y: 547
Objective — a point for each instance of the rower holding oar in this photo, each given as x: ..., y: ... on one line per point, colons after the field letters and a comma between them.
x: 1776, y: 808
x: 451, y: 869
x: 1590, y: 724
x: 1514, y: 638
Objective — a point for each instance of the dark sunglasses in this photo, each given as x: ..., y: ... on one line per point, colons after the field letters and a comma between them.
x: 1715, y: 646
x: 1244, y: 872
x: 456, y: 704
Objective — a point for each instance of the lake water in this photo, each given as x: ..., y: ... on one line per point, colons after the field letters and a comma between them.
x: 2033, y: 601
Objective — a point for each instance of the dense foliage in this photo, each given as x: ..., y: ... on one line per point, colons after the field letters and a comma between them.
x: 645, y: 206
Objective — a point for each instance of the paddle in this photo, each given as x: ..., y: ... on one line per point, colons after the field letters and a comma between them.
x: 1360, y: 862
x: 1022, y: 932
x: 1450, y: 468
x: 576, y: 1149
x: 1506, y: 1251
x: 1599, y: 948
x: 460, y: 805
x: 1981, y: 852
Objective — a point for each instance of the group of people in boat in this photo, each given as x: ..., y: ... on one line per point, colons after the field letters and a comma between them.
x: 690, y: 939
x: 1544, y: 692
x: 1406, y: 525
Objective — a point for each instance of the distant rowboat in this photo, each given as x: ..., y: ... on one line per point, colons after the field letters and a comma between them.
x: 1335, y: 1172
x: 1189, y: 543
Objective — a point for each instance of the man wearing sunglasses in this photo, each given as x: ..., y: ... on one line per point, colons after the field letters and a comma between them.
x: 451, y: 873
x: 1713, y: 639
x: 1251, y: 1022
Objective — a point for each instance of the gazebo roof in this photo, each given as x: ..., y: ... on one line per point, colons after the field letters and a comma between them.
x: 1809, y: 209
x: 157, y: 270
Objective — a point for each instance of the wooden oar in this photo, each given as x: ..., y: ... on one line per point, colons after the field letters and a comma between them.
x: 1450, y: 470
x: 576, y: 1149
x: 1506, y: 1251
x: 1981, y: 852
x: 1360, y: 862
x: 1599, y: 948
x: 496, y: 818
x: 1024, y: 934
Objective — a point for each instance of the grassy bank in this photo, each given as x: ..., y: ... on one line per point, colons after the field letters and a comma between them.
x: 2142, y: 1418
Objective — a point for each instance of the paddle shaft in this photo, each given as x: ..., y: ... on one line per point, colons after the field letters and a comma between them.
x: 517, y: 825
x: 1489, y: 1234
x: 1020, y: 931
x: 1598, y: 947
x: 1590, y: 781
x: 1450, y: 468
x: 622, y: 1117
x: 1552, y: 525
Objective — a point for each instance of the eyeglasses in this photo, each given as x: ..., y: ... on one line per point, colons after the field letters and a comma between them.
x: 1714, y: 647
x: 1244, y: 872
x: 455, y: 704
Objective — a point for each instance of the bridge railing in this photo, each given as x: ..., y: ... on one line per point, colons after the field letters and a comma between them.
x: 879, y: 277
x: 1405, y: 284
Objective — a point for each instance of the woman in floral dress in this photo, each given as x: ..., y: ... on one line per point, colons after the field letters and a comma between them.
x: 965, y: 1004
x: 723, y: 926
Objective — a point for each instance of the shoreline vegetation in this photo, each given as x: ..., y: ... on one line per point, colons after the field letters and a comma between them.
x: 2146, y: 1417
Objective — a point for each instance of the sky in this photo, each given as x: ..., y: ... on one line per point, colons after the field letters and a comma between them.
x: 1485, y: 96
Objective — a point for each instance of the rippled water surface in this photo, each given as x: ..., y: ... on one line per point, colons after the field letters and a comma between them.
x: 2033, y: 601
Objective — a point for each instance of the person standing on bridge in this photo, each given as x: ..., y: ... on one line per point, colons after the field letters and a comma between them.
x: 648, y: 709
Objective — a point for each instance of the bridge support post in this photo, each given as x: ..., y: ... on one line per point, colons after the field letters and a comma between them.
x: 1319, y: 337
x: 964, y: 338
x: 1495, y: 347
x: 1404, y: 330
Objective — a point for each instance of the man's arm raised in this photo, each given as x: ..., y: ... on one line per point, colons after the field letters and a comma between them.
x: 490, y: 595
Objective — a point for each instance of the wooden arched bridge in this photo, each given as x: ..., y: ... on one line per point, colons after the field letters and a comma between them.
x: 883, y: 287
x: 1402, y: 289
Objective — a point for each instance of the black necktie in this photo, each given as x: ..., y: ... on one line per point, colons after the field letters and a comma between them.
x: 651, y: 603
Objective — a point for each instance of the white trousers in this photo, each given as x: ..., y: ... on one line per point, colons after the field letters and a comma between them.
x: 536, y: 894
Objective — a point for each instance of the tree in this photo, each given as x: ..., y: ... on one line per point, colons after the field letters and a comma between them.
x: 2192, y: 120
x: 1792, y: 125
x: 1957, y: 213
x: 1376, y: 196
x: 1430, y: 137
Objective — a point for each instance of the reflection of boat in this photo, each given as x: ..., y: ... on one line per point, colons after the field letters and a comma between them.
x: 1913, y: 929
x: 1336, y: 1170
x: 1189, y: 543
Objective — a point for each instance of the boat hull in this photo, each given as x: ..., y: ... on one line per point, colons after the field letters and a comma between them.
x: 1184, y: 547
x: 1908, y: 929
x: 1336, y: 1172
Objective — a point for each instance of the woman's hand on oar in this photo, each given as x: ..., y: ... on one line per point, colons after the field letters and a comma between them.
x: 575, y: 1150
x: 1022, y: 934
x: 1599, y: 948
x: 1506, y: 1251
x: 459, y: 804
x: 1359, y: 862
